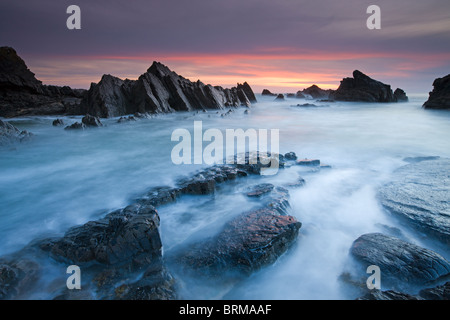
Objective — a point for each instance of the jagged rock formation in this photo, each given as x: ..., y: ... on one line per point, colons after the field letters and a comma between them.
x: 365, y: 89
x: 22, y: 94
x: 440, y: 96
x: 160, y: 90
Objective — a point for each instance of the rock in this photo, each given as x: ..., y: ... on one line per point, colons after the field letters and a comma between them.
x: 400, y: 95
x: 399, y: 260
x: 307, y: 105
x: 22, y: 94
x: 316, y: 93
x: 418, y: 194
x: 363, y: 88
x: 291, y: 156
x: 420, y: 159
x: 300, y: 95
x: 126, y: 119
x: 300, y: 182
x: 155, y: 284
x: 259, y: 190
x: 308, y: 162
x: 387, y: 295
x: 279, y: 97
x: 58, y: 122
x: 245, y: 87
x: 17, y: 277
x: 246, y: 244
x: 441, y: 292
x: 266, y: 92
x: 160, y: 90
x: 9, y: 134
x: 91, y: 121
x: 290, y: 95
x: 129, y: 236
x: 439, y: 98
x: 76, y: 126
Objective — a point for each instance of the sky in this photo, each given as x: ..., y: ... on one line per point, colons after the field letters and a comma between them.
x: 281, y: 45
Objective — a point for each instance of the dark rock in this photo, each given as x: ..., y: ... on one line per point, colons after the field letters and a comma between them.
x: 363, y: 88
x: 125, y: 237
x: 245, y: 87
x: 308, y: 162
x: 91, y: 121
x: 400, y: 95
x: 439, y: 98
x: 387, y: 295
x: 58, y: 122
x: 22, y: 94
x: 399, y: 260
x: 266, y: 92
x: 160, y: 90
x: 290, y: 95
x: 126, y: 119
x: 420, y: 159
x: 316, y: 93
x: 17, y: 277
x: 279, y: 97
x: 418, y: 194
x: 9, y: 134
x: 290, y: 156
x: 259, y: 190
x: 300, y: 95
x: 246, y: 244
x: 307, y: 105
x: 155, y: 284
x: 76, y: 126
x: 441, y: 292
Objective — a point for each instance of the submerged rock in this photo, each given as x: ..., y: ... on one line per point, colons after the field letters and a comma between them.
x: 58, y: 122
x: 91, y: 121
x: 280, y: 97
x: 400, y: 260
x: 246, y: 244
x: 17, y: 277
x: 418, y: 194
x: 9, y: 134
x: 439, y: 98
x: 76, y: 126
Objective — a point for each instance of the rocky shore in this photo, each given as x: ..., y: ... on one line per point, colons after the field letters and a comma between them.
x: 121, y: 254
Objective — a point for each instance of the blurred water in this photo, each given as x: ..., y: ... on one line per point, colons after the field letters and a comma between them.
x: 63, y: 178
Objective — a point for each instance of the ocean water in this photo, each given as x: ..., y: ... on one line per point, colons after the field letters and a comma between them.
x: 65, y: 178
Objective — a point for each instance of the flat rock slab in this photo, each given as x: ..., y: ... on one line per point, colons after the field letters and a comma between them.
x: 420, y: 194
x: 400, y: 260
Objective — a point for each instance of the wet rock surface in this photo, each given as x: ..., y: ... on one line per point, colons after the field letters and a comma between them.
x: 418, y: 194
x: 10, y: 134
x: 400, y: 260
x: 247, y: 243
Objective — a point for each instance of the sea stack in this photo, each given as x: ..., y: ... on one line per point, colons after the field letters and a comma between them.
x: 440, y: 96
